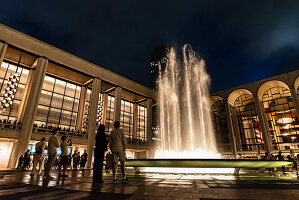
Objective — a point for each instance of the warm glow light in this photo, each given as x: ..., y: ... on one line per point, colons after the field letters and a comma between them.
x: 285, y: 120
x: 287, y: 126
x: 10, y: 91
x: 196, y: 154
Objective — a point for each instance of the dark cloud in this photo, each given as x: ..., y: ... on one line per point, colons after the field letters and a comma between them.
x: 241, y: 41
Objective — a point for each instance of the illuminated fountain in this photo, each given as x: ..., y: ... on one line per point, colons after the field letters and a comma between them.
x: 186, y: 130
x: 184, y: 111
x: 187, y: 139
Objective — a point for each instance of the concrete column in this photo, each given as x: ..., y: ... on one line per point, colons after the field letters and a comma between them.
x: 30, y: 111
x: 25, y: 96
x: 231, y: 129
x: 149, y: 131
x: 92, y: 118
x: 135, y: 120
x: 117, y: 103
x: 105, y: 104
x: 81, y: 108
x: 264, y: 125
x: 3, y: 48
x: 295, y: 99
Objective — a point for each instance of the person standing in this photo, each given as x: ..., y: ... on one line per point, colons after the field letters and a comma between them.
x: 53, y: 144
x: 280, y: 157
x: 39, y: 157
x: 83, y: 160
x: 99, y: 152
x: 64, y: 155
x: 117, y: 142
x: 78, y: 159
x: 292, y: 157
x: 75, y: 160
x: 21, y: 162
x: 26, y: 160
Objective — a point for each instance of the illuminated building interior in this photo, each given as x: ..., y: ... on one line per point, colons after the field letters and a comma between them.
x: 281, y: 117
x: 219, y: 119
x: 53, y: 89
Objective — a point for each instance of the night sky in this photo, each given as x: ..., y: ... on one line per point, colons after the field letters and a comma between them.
x: 241, y: 41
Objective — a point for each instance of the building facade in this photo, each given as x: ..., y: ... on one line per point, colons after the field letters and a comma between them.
x: 258, y: 116
x: 43, y: 87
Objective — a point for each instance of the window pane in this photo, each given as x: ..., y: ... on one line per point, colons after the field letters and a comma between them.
x: 45, y: 98
x: 63, y: 107
x: 57, y: 100
x: 70, y: 90
x: 68, y: 103
x: 59, y: 86
x: 54, y: 115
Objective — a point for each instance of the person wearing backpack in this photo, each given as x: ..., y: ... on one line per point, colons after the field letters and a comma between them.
x: 39, y: 157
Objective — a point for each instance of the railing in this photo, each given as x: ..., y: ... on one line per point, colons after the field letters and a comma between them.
x: 8, y: 125
x: 48, y: 129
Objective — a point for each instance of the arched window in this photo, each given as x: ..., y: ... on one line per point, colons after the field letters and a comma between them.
x: 281, y: 117
x: 219, y: 119
x: 246, y: 124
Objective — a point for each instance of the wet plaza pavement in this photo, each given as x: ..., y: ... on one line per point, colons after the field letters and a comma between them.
x: 20, y: 185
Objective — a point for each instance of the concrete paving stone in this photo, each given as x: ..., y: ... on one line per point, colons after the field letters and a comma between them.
x: 19, y: 185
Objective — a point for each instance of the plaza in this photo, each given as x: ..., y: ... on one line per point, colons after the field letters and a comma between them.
x: 219, y: 120
x: 19, y: 185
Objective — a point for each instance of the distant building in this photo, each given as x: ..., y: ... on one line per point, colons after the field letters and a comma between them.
x: 258, y: 116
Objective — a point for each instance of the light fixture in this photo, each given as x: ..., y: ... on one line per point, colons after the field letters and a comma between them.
x: 287, y: 126
x: 285, y: 120
x: 10, y: 90
x: 100, y: 108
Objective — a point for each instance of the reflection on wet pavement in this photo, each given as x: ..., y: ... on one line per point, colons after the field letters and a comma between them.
x: 20, y: 185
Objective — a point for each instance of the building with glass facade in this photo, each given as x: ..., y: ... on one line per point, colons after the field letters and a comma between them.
x: 258, y: 116
x: 43, y: 87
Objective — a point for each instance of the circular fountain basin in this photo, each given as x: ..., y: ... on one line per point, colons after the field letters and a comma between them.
x: 206, y: 163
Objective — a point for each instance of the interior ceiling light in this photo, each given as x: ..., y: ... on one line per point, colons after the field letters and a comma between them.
x: 285, y: 120
x: 282, y: 112
x: 10, y: 90
x: 287, y: 126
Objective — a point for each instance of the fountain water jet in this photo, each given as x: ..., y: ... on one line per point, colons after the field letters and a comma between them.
x: 184, y: 111
x: 187, y: 136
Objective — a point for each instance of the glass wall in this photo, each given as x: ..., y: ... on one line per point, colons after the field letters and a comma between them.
x: 58, y: 104
x: 110, y: 114
x: 246, y: 124
x: 141, y: 123
x: 282, y: 118
x: 6, y: 70
x: 126, y: 118
x: 219, y: 119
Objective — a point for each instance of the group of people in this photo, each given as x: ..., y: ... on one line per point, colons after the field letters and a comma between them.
x: 79, y: 160
x: 24, y: 161
x: 39, y: 156
x: 117, y: 144
x: 279, y: 156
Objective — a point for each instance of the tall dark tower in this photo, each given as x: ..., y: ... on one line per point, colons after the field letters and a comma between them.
x: 158, y: 56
